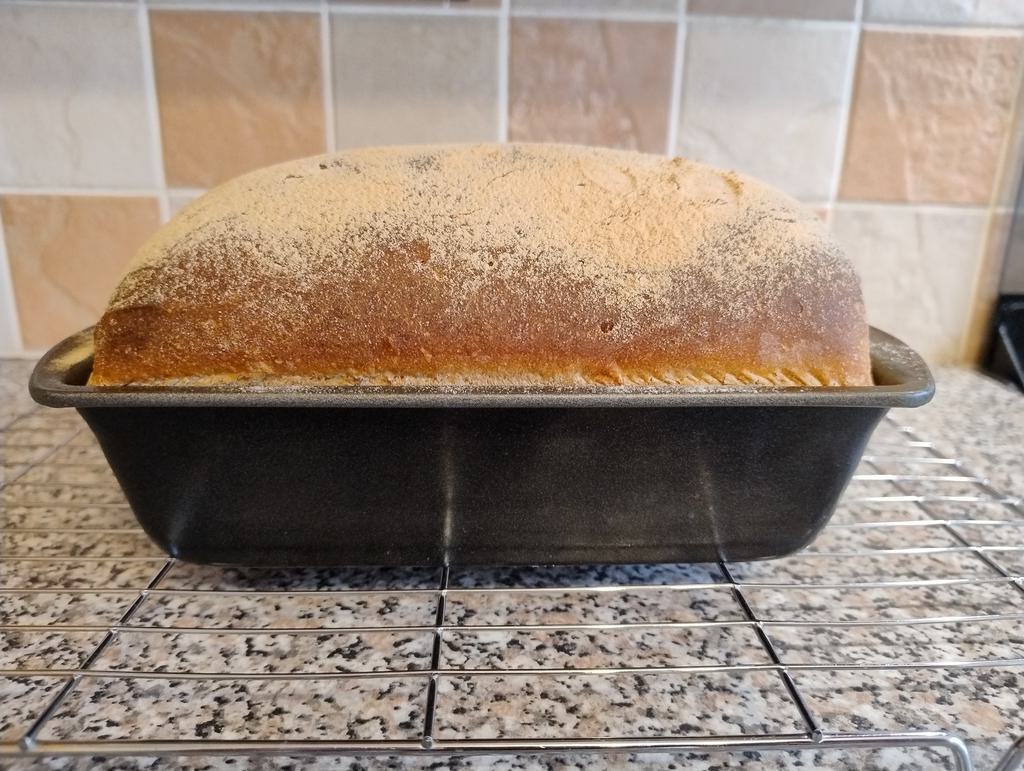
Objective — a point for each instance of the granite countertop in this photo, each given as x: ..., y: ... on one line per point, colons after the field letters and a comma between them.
x: 74, y: 566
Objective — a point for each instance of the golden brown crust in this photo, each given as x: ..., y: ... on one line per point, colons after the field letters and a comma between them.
x: 503, y: 265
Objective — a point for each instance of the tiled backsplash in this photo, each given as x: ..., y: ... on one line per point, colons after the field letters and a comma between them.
x: 895, y: 119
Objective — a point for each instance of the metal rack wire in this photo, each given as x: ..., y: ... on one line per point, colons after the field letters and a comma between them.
x: 55, y: 467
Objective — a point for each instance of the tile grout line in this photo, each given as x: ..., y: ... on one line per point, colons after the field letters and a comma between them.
x: 845, y: 111
x: 153, y: 109
x: 412, y: 8
x: 10, y: 320
x: 85, y: 192
x: 933, y: 208
x: 504, y: 64
x: 327, y: 76
x: 95, y: 190
x: 676, y: 97
x: 947, y: 28
x: 193, y: 192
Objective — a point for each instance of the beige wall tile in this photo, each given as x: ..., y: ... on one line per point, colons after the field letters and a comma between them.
x: 766, y: 100
x: 918, y: 267
x: 402, y: 79
x: 929, y: 116
x: 72, y: 105
x: 591, y: 82
x: 66, y: 255
x: 236, y: 91
x: 946, y: 11
x: 787, y: 9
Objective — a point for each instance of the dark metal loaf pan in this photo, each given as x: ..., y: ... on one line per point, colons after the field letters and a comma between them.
x: 414, y: 476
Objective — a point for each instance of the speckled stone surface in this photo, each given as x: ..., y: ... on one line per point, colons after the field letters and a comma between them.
x: 585, y: 706
x: 283, y: 610
x: 281, y: 652
x: 76, y: 573
x: 24, y: 699
x: 65, y: 544
x: 584, y: 575
x: 830, y: 568
x: 63, y: 608
x: 205, y: 578
x: 984, y: 705
x: 35, y: 649
x: 206, y: 654
x: 618, y: 606
x: 585, y: 648
x: 142, y: 708
x: 894, y: 603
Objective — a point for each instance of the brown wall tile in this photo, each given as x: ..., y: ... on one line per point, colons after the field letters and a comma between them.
x: 591, y: 82
x: 929, y: 116
x: 66, y: 255
x: 236, y: 91
x: 786, y: 9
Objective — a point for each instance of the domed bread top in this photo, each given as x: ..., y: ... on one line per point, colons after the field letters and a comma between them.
x: 497, y: 265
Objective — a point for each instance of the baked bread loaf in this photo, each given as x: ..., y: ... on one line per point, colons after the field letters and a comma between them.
x: 495, y: 265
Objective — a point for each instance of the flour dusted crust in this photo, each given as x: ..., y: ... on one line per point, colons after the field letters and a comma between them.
x: 498, y: 265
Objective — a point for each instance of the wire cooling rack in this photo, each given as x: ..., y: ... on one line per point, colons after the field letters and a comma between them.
x: 108, y: 648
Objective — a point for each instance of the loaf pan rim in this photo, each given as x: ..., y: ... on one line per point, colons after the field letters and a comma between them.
x: 55, y: 382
